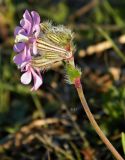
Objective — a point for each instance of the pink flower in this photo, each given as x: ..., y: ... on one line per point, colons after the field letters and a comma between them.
x: 25, y: 45
x: 39, y: 46
x: 25, y: 36
x: 29, y: 74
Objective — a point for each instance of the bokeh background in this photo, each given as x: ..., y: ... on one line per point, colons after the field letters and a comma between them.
x: 50, y: 124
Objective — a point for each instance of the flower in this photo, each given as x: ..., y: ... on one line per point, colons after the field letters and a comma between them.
x: 39, y: 46
x: 25, y: 36
x: 25, y: 45
x: 29, y: 73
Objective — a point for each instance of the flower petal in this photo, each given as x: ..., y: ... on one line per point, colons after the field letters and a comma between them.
x: 26, y: 25
x: 18, y: 47
x: 37, y: 30
x: 36, y: 18
x: 34, y: 48
x: 36, y: 22
x: 19, y: 30
x: 24, y: 66
x: 38, y: 81
x: 28, y: 52
x: 27, y: 16
x: 19, y: 58
x: 26, y: 77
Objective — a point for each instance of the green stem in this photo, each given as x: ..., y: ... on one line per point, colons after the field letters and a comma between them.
x: 93, y: 122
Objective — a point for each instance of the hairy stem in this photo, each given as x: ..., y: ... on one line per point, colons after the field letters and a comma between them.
x: 93, y: 122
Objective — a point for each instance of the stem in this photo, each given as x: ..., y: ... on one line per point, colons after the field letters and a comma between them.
x: 93, y: 122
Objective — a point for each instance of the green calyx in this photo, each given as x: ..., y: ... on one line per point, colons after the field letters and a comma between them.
x: 72, y: 72
x: 59, y: 35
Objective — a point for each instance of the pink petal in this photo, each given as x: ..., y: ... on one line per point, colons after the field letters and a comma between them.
x: 26, y: 25
x: 19, y: 30
x: 37, y: 30
x: 34, y: 48
x: 37, y: 80
x: 18, y: 47
x: 36, y: 18
x: 26, y: 77
x: 28, y: 52
x: 24, y: 66
x: 27, y: 16
x: 19, y: 58
x: 36, y: 22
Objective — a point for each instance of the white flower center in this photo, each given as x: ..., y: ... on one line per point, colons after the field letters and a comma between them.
x: 21, y: 38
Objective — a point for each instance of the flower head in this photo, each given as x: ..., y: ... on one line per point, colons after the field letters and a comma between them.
x: 29, y: 72
x: 25, y: 45
x: 25, y: 36
x: 38, y: 46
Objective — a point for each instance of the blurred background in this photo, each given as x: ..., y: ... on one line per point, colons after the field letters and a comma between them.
x: 50, y: 124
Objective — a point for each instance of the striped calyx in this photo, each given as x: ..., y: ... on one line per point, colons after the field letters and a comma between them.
x: 54, y: 44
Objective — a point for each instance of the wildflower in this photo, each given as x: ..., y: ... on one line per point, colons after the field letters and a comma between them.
x: 25, y: 45
x: 26, y: 35
x: 39, y: 46
x: 29, y: 73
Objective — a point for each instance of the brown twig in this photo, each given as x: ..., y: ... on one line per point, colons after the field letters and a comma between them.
x: 47, y: 142
x: 25, y: 130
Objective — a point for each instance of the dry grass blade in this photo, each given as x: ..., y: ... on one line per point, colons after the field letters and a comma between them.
x: 84, y: 9
x: 47, y: 142
x: 100, y: 47
x: 25, y: 130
